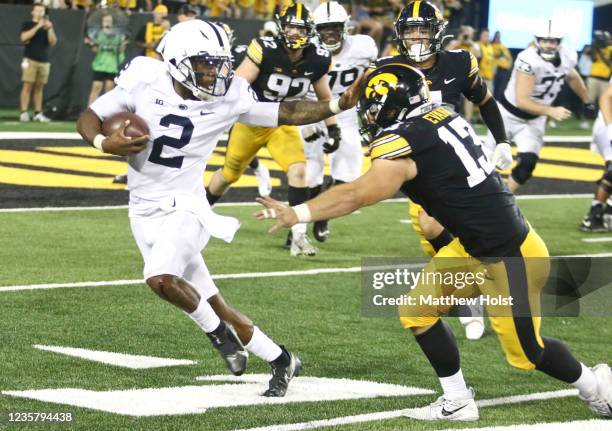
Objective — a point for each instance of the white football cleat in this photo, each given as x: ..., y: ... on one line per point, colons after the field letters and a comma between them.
x: 300, y: 245
x: 41, y: 118
x: 264, y: 185
x: 601, y: 402
x: 447, y: 410
x: 24, y: 117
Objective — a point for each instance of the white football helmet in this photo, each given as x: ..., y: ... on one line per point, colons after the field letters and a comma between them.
x: 192, y: 47
x: 331, y: 24
x: 548, y: 30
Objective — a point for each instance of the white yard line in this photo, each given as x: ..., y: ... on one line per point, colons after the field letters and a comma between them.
x: 242, y: 275
x: 600, y: 239
x: 393, y: 414
x: 315, y: 271
x: 247, y: 204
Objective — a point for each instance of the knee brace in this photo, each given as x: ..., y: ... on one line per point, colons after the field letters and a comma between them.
x: 525, y: 166
x: 606, y: 180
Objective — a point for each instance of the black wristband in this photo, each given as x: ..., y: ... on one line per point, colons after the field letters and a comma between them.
x: 493, y: 119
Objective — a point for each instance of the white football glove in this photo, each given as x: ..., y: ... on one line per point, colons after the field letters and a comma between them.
x: 312, y: 132
x: 502, y: 157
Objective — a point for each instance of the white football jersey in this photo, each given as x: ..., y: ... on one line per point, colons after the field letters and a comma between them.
x: 183, y: 132
x: 357, y: 52
x: 548, y: 77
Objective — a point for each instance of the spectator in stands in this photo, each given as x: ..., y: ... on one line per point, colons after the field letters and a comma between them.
x: 37, y: 35
x: 150, y: 34
x: 486, y: 63
x: 601, y: 55
x: 109, y: 45
x: 81, y: 4
x: 186, y: 13
x: 201, y: 6
x: 128, y: 6
x: 503, y: 61
x: 465, y: 41
x: 452, y: 10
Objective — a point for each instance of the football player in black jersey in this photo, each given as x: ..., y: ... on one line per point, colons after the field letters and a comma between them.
x: 264, y: 183
x: 433, y: 155
x: 419, y: 32
x: 281, y: 68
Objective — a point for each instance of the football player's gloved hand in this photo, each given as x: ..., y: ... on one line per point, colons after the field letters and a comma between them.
x: 312, y: 132
x: 590, y: 110
x: 502, y: 157
x: 333, y: 139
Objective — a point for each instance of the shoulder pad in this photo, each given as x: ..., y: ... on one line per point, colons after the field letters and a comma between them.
x: 390, y: 143
x: 139, y: 70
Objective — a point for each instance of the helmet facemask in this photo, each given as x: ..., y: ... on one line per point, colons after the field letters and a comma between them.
x: 548, y: 53
x: 419, y: 41
x: 331, y: 35
x: 206, y: 76
x: 296, y: 35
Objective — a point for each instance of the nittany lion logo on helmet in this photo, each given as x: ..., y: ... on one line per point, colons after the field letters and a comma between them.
x: 380, y: 85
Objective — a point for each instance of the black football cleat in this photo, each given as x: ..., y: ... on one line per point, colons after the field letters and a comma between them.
x: 594, y: 220
x: 320, y: 230
x: 231, y: 350
x: 281, y: 376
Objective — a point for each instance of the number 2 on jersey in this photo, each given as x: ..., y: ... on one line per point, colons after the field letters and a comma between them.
x: 477, y: 169
x: 158, y: 143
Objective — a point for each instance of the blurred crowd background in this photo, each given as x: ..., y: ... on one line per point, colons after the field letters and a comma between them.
x: 95, y: 38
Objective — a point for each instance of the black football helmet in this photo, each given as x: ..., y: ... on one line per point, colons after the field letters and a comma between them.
x: 296, y: 14
x: 418, y: 21
x: 391, y: 92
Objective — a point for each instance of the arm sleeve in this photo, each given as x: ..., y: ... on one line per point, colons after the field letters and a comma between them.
x: 493, y: 119
x: 261, y: 114
x: 112, y: 102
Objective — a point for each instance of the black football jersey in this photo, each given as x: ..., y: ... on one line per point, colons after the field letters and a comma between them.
x: 279, y: 79
x: 455, y: 183
x: 452, y: 75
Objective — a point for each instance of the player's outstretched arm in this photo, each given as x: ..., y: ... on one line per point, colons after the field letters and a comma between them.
x: 89, y: 127
x: 382, y: 181
x: 306, y: 112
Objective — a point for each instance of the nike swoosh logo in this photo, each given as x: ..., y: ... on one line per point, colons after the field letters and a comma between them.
x: 205, y: 113
x: 174, y: 203
x: 448, y: 81
x: 308, y: 73
x: 447, y: 413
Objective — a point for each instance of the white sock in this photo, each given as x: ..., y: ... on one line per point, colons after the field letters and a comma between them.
x: 586, y: 383
x: 263, y: 347
x: 205, y: 316
x: 454, y: 387
x: 299, y: 229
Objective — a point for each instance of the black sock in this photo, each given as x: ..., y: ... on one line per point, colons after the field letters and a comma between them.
x: 313, y: 192
x: 440, y: 347
x: 441, y: 240
x: 220, y: 330
x: 283, y: 359
x: 212, y: 199
x: 254, y: 163
x: 558, y: 362
x: 297, y: 195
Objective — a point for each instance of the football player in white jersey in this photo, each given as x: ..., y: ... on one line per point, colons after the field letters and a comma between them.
x: 188, y: 101
x: 351, y: 55
x: 599, y: 217
x: 537, y: 77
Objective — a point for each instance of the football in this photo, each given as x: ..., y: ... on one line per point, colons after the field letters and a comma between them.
x: 138, y: 126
